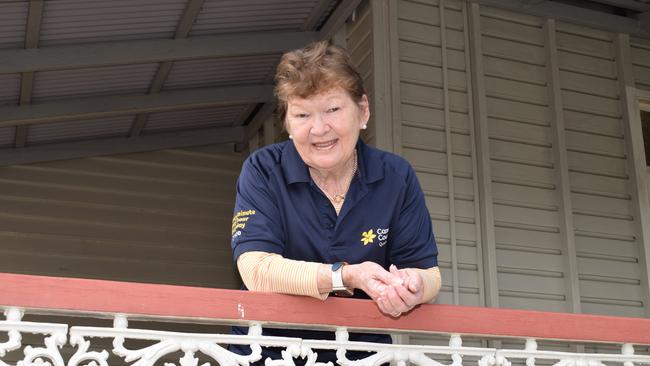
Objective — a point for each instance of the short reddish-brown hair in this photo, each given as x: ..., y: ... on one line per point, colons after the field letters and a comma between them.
x: 314, y: 69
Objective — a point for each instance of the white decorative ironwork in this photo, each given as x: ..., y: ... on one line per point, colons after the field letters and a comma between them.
x: 531, y: 347
x: 14, y: 341
x: 85, y: 358
x: 296, y: 351
x: 627, y: 350
x: 495, y: 359
x: 162, y: 344
x: 167, y: 343
x: 55, y: 337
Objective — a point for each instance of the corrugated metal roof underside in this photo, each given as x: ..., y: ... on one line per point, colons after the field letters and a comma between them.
x: 195, y: 118
x: 9, y: 89
x: 221, y: 71
x: 13, y: 19
x: 219, y: 16
x: 80, y: 129
x: 7, y: 136
x: 93, y: 81
x: 82, y: 21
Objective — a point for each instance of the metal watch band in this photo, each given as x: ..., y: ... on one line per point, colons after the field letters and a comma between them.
x: 337, y: 280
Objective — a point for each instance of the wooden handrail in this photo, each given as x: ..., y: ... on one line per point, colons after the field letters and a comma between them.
x: 41, y: 294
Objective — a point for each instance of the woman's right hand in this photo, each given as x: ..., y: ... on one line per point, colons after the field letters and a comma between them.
x: 372, y: 279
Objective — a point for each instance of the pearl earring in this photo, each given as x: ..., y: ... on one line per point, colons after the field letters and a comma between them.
x: 290, y: 137
x: 364, y: 126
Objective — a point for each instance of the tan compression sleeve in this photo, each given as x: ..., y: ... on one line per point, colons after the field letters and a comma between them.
x: 432, y: 282
x: 270, y: 272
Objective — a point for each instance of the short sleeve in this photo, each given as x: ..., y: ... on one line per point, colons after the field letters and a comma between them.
x: 256, y: 222
x: 413, y: 244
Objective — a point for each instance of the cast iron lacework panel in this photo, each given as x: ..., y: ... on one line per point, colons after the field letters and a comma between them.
x: 189, y: 348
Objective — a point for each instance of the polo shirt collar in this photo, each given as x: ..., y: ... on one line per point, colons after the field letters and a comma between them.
x: 371, y: 167
x: 295, y: 170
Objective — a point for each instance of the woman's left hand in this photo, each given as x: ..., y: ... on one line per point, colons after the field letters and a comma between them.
x: 397, y: 299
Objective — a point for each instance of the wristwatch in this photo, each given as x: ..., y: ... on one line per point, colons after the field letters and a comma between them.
x: 338, y: 287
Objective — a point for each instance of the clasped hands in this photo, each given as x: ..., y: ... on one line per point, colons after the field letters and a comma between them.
x: 395, y: 291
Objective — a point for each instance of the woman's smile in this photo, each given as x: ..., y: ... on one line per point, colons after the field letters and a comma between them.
x: 326, y: 145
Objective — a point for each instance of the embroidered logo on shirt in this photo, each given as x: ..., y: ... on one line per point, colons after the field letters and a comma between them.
x: 239, y: 222
x: 367, y: 237
x: 382, y: 236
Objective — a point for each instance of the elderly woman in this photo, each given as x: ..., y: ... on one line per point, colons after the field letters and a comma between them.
x: 324, y: 213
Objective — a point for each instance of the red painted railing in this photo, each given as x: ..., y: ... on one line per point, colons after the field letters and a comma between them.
x: 39, y: 294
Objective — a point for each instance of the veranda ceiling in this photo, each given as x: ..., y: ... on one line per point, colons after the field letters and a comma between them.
x: 88, y: 77
x: 91, y: 77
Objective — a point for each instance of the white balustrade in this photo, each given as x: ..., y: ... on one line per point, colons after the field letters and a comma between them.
x: 164, y: 343
x: 54, y: 337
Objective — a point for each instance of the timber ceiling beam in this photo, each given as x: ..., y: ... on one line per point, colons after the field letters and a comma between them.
x: 148, y: 51
x: 573, y: 14
x: 104, y: 106
x: 121, y: 145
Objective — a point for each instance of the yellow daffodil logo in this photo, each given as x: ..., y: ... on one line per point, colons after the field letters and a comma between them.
x: 367, y: 237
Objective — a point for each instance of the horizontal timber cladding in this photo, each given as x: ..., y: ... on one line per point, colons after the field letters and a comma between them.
x: 526, y: 203
x: 564, y: 226
x: 531, y: 256
x: 641, y: 62
x: 607, y: 244
x: 359, y: 42
x: 436, y: 135
x: 161, y: 216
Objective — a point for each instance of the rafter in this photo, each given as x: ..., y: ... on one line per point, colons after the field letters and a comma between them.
x: 104, y: 106
x: 190, y: 14
x: 183, y: 28
x: 121, y: 145
x: 139, y: 122
x: 34, y: 17
x: 32, y: 35
x: 148, y: 51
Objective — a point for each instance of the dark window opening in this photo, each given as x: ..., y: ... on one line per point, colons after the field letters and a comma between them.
x: 645, y: 126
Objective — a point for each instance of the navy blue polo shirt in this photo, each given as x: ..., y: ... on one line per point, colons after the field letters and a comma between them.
x: 279, y: 209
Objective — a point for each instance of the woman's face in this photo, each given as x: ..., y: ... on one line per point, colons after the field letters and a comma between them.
x: 325, y: 127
